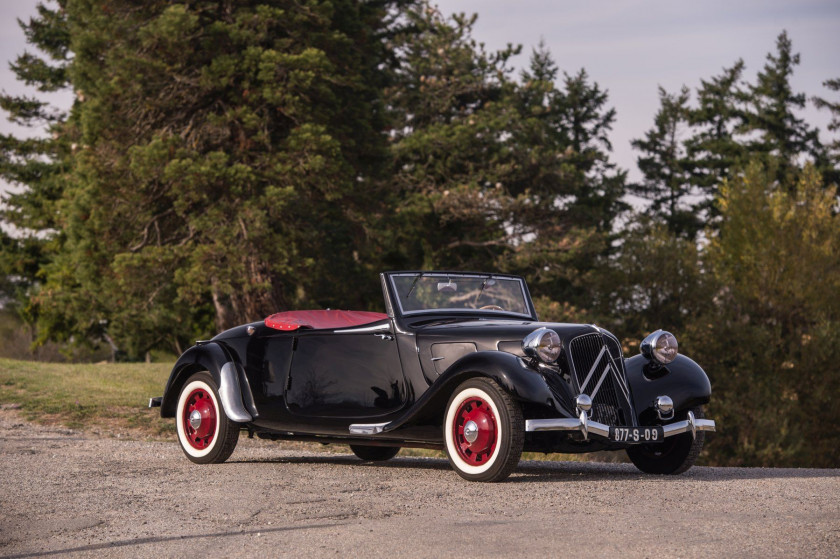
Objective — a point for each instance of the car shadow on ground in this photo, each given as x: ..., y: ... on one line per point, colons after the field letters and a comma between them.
x: 534, y: 470
x: 163, y: 539
x: 349, y: 460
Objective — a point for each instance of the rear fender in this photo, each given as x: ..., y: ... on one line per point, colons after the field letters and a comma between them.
x: 234, y: 390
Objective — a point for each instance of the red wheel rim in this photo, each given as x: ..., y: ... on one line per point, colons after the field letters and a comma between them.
x: 484, y: 433
x: 200, y: 427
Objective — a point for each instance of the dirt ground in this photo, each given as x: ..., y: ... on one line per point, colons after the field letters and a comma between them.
x: 67, y: 493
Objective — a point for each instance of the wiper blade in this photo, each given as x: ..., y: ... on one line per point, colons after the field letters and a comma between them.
x: 416, y: 279
x: 480, y: 291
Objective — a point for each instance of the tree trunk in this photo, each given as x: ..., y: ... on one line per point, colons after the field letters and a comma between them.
x: 114, y: 349
x: 222, y: 311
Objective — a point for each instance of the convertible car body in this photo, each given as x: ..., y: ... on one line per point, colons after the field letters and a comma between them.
x: 459, y: 362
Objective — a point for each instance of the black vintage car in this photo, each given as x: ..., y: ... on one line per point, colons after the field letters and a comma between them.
x: 460, y: 362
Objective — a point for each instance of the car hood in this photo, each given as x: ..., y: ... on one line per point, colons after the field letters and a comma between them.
x: 488, y: 333
x: 440, y: 345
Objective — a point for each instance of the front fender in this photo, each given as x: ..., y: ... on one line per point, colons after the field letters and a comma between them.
x: 509, y: 371
x: 683, y: 380
x: 228, y: 374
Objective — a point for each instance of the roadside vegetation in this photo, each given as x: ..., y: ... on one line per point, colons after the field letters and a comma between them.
x: 109, y: 398
x: 223, y: 161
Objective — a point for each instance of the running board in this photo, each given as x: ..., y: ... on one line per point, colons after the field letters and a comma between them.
x: 367, y: 428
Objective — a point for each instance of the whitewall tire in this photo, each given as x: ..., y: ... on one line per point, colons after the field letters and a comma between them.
x: 483, y: 431
x: 206, y: 434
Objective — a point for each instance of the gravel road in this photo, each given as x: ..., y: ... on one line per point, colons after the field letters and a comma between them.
x: 66, y: 493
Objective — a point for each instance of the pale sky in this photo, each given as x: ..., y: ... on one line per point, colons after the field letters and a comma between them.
x: 629, y: 47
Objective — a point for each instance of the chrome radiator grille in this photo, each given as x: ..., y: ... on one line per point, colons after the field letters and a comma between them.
x: 599, y: 373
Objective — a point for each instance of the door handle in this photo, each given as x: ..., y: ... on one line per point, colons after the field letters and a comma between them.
x: 386, y: 337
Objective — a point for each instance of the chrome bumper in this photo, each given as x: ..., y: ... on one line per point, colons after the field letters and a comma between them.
x: 587, y: 426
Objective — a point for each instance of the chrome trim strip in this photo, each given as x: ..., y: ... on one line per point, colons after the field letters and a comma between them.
x: 364, y: 329
x: 367, y: 428
x: 592, y: 370
x: 600, y: 381
x: 230, y: 394
x: 389, y: 308
x: 624, y: 389
x: 622, y: 383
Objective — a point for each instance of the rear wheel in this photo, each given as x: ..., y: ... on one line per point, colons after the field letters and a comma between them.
x: 674, y: 456
x: 374, y: 453
x: 206, y: 434
x: 483, y: 431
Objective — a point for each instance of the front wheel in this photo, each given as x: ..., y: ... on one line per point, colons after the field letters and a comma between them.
x: 674, y: 456
x: 206, y: 434
x: 483, y: 431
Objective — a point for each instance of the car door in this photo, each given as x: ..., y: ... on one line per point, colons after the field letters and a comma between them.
x: 352, y: 374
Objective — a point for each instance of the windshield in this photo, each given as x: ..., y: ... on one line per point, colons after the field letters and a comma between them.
x: 426, y: 291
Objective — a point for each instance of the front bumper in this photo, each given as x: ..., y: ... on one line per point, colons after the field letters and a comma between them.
x: 587, y: 427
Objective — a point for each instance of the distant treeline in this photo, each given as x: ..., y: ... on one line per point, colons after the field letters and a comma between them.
x: 226, y: 160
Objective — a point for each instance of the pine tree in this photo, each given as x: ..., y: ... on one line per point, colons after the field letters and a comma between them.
x: 227, y: 158
x: 667, y: 168
x: 715, y: 146
x: 587, y: 122
x: 772, y: 112
x: 572, y: 127
x: 569, y: 190
x: 543, y: 185
x: 494, y: 174
x: 451, y: 113
x: 831, y: 174
x: 35, y: 165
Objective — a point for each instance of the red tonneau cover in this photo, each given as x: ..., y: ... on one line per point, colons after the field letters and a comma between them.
x: 292, y: 320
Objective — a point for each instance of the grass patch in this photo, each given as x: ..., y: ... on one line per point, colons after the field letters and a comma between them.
x: 107, y: 397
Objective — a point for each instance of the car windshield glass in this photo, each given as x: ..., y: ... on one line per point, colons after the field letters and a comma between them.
x: 423, y: 292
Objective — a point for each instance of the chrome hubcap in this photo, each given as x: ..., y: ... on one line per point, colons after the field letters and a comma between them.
x: 470, y: 431
x: 195, y: 419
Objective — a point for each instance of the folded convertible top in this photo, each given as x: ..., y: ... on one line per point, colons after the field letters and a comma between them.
x: 317, y: 320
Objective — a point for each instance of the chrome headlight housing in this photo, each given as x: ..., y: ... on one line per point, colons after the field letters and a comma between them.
x: 542, y: 344
x: 661, y: 346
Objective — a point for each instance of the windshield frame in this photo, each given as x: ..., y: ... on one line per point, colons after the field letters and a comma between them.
x: 396, y: 303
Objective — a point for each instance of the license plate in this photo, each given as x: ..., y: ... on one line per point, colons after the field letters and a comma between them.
x: 637, y: 435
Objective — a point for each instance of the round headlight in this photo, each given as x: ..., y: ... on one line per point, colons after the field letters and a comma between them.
x: 542, y: 344
x: 661, y: 346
